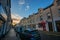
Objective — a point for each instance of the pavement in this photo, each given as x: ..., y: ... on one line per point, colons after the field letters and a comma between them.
x: 49, y: 35
x: 11, y: 35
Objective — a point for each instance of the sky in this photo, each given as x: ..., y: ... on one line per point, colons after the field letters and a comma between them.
x: 24, y: 8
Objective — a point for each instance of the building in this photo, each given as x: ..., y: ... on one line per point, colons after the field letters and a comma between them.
x: 47, y: 19
x: 51, y: 16
x: 5, y: 7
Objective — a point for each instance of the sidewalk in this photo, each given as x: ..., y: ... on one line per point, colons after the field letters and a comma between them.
x: 49, y: 35
x: 11, y: 35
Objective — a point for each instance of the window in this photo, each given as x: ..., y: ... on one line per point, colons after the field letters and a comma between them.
x: 39, y: 25
x: 1, y: 10
x: 0, y: 2
x: 58, y: 2
x: 8, y: 3
x: 48, y: 15
x: 2, y: 20
x: 41, y: 18
x: 59, y: 10
x: 30, y: 21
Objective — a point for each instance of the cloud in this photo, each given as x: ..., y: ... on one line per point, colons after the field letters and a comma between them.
x: 27, y: 7
x: 16, y: 16
x: 21, y: 2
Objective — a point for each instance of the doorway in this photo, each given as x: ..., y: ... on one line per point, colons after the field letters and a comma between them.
x: 50, y: 26
x: 58, y: 25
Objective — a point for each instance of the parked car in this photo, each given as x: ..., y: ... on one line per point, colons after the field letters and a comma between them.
x: 25, y: 35
x: 35, y: 34
x: 30, y: 35
x: 19, y: 29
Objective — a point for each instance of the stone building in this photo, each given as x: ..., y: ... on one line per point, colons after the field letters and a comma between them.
x: 47, y: 19
x: 51, y: 16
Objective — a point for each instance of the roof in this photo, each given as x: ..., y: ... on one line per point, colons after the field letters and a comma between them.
x: 48, y: 7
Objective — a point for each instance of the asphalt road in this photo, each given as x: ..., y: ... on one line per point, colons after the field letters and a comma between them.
x: 11, y: 35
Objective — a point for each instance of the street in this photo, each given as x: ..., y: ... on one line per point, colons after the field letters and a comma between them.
x: 43, y: 35
x: 29, y: 19
x: 11, y: 35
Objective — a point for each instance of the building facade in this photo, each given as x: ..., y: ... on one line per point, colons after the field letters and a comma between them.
x: 51, y: 16
x: 5, y: 7
x: 46, y: 19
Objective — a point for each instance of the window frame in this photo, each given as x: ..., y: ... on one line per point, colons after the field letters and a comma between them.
x: 48, y: 15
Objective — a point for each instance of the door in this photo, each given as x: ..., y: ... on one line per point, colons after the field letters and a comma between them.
x: 58, y: 25
x: 50, y: 26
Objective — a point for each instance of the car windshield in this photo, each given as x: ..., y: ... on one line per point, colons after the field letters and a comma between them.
x: 34, y: 32
x: 27, y: 31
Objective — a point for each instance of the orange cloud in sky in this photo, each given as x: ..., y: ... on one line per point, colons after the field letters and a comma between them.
x: 16, y: 18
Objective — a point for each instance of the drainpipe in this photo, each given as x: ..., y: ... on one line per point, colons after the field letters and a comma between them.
x: 53, y: 21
